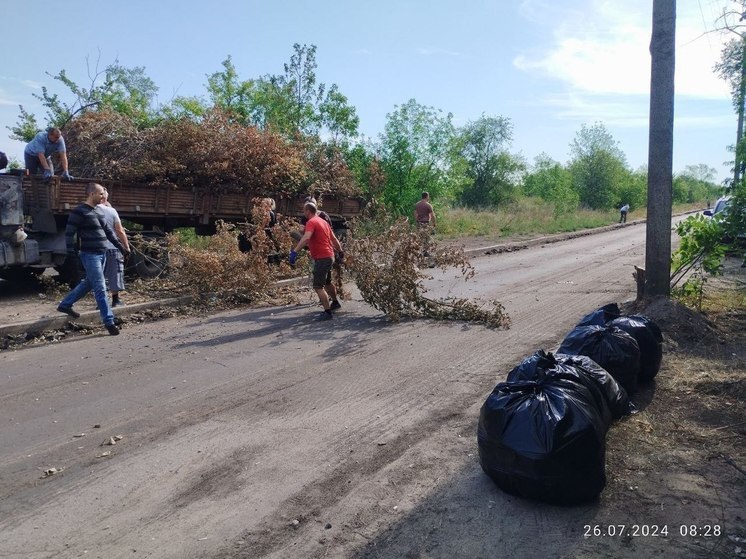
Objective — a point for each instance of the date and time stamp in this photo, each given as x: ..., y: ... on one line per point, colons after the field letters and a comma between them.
x: 652, y: 531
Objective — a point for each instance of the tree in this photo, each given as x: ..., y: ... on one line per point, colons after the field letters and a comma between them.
x: 414, y: 148
x: 634, y: 190
x: 491, y: 173
x: 366, y: 168
x: 552, y: 182
x: 338, y: 117
x: 660, y: 150
x: 127, y: 91
x: 231, y: 95
x: 293, y: 102
x: 695, y: 184
x: 598, y: 166
x: 732, y: 68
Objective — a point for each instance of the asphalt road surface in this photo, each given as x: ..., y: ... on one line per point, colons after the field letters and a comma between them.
x: 255, y: 433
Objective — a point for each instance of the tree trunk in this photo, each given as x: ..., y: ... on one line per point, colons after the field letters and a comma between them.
x: 660, y: 149
x: 737, y: 164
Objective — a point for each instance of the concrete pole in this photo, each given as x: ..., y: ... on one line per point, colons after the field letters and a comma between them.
x: 660, y: 150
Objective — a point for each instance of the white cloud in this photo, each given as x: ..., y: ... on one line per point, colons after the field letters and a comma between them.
x: 694, y: 121
x: 613, y: 111
x: 27, y: 83
x: 604, y: 50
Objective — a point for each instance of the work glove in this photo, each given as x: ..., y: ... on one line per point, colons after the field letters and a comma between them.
x: 67, y: 176
x: 47, y: 174
x: 293, y: 257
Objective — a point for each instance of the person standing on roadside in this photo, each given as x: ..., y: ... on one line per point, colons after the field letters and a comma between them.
x: 38, y: 154
x: 87, y: 223
x: 423, y: 212
x: 114, y: 263
x: 321, y: 243
x: 623, y: 213
x: 425, y: 218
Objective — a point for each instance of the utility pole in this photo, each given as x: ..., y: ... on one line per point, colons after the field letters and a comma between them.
x: 738, y: 163
x: 660, y: 150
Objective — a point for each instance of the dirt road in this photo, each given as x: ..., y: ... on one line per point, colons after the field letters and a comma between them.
x: 262, y: 433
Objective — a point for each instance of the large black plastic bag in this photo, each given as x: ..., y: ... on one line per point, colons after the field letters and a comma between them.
x: 613, y: 349
x: 600, y: 316
x: 648, y: 337
x: 615, y: 402
x: 542, y: 364
x: 543, y: 440
x: 614, y: 393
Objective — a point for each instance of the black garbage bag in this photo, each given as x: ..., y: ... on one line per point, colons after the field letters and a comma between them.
x: 650, y: 339
x: 611, y: 399
x: 600, y: 316
x: 531, y: 366
x: 543, y: 440
x: 613, y: 349
x: 615, y: 395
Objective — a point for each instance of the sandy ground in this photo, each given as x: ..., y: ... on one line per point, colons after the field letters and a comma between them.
x: 262, y: 433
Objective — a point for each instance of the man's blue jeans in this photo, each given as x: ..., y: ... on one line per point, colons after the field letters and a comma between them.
x: 93, y: 264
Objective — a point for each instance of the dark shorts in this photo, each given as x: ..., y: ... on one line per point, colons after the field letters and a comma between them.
x: 322, y: 272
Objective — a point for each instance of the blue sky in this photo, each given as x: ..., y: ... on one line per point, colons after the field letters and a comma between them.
x: 549, y: 66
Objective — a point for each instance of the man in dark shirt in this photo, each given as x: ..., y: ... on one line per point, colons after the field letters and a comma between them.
x: 88, y: 224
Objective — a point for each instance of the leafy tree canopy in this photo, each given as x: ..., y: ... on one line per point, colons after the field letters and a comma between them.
x: 414, y: 147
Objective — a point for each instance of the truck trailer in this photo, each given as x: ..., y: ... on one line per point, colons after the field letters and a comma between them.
x: 34, y: 211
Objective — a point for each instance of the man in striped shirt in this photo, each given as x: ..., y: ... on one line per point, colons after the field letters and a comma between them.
x: 86, y: 222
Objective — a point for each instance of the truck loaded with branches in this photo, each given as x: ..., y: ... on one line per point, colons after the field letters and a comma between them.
x: 181, y: 173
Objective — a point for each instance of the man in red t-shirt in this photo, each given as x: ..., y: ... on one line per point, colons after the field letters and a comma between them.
x: 322, y: 243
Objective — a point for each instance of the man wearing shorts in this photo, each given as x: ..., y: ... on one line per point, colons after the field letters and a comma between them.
x: 425, y: 218
x: 114, y: 264
x: 322, y: 243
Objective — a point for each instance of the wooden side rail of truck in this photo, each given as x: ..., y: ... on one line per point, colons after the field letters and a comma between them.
x: 40, y: 209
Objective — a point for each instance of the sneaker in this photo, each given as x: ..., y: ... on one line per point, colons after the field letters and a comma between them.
x: 117, y: 303
x: 68, y: 311
x: 325, y: 316
x: 335, y: 306
x: 112, y: 328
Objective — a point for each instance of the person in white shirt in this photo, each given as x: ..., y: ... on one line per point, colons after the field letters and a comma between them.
x: 114, y: 263
x: 623, y: 213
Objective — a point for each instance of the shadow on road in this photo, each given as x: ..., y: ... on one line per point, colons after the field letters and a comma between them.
x: 347, y: 332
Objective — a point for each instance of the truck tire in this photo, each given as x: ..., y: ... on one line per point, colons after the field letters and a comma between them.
x: 147, y: 266
x: 70, y: 272
x: 21, y: 275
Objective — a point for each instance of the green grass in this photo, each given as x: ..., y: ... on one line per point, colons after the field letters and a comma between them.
x: 529, y: 216
x: 188, y: 237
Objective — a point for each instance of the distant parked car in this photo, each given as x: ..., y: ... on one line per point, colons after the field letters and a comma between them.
x: 721, y: 209
x: 720, y: 206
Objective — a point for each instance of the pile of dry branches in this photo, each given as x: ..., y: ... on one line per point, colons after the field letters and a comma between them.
x: 387, y: 265
x: 221, y: 268
x: 213, y: 153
